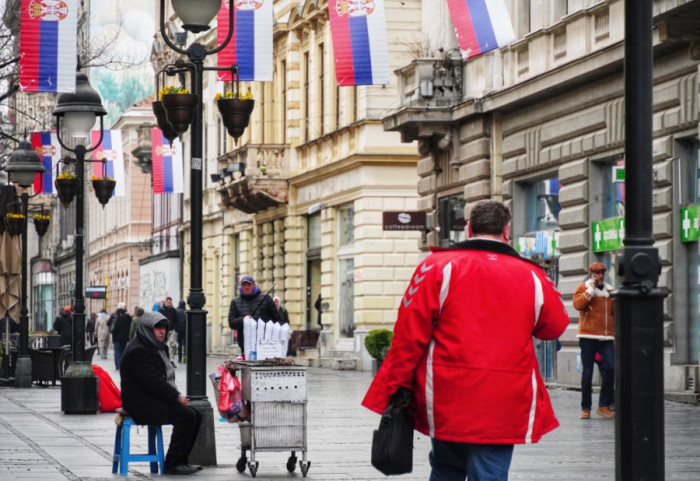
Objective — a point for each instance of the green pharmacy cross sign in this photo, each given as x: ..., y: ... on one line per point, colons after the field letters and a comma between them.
x: 608, y: 234
x: 690, y: 223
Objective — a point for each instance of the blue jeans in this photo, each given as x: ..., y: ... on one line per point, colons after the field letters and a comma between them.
x: 607, y: 372
x: 118, y: 350
x: 477, y: 462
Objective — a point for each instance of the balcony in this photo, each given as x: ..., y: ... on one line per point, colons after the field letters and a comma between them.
x: 142, y: 152
x: 428, y: 89
x: 254, y: 177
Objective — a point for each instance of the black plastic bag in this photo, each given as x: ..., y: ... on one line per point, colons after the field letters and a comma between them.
x: 392, y: 442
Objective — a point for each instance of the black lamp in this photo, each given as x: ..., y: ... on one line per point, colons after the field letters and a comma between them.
x: 23, y: 166
x: 196, y: 16
x: 75, y: 115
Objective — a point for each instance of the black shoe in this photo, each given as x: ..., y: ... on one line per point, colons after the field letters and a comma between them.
x: 180, y: 469
x: 173, y: 364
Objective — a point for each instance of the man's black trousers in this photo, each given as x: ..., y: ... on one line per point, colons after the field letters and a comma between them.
x: 186, y: 421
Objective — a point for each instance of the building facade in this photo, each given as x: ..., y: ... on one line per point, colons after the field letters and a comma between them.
x: 539, y: 124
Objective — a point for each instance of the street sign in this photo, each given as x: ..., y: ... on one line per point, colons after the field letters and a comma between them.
x: 608, y: 234
x: 403, y: 220
x: 690, y: 223
x: 96, y: 292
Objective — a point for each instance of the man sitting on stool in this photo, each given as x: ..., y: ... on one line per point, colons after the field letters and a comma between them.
x: 150, y: 396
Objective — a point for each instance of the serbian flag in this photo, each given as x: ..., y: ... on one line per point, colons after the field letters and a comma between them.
x: 167, y: 164
x: 48, y: 45
x: 46, y: 145
x: 112, y: 152
x: 358, y: 29
x: 480, y: 25
x: 251, y: 42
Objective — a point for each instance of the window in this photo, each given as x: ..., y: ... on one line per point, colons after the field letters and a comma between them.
x: 321, y: 87
x: 314, y: 231
x: 306, y: 96
x: 346, y: 230
x: 451, y: 219
x: 542, y: 200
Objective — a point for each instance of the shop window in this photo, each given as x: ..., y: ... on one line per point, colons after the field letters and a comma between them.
x: 314, y: 231
x: 693, y: 258
x: 346, y: 221
x: 543, y: 205
x: 451, y: 219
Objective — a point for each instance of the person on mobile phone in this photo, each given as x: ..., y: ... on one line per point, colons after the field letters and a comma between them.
x: 596, y: 334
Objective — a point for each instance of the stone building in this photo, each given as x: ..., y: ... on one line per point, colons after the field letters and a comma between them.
x: 540, y: 125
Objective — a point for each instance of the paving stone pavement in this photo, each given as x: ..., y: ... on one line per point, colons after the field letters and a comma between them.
x: 39, y: 442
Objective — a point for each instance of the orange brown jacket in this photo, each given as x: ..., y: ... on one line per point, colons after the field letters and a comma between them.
x: 597, y: 312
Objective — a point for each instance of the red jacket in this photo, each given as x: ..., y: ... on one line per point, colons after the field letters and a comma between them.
x: 463, y: 344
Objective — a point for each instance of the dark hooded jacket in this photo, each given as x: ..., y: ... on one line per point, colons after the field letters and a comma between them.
x: 64, y: 326
x: 181, y: 324
x: 171, y: 315
x: 146, y: 389
x: 261, y: 304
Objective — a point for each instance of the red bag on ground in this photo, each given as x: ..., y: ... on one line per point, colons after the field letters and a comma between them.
x: 108, y: 393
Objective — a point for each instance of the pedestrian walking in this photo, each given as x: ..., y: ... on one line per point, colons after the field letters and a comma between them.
x: 171, y: 315
x: 135, y: 321
x: 468, y: 356
x: 90, y: 328
x: 63, y: 325
x: 284, y: 315
x: 150, y: 395
x: 250, y: 300
x: 181, y: 330
x: 596, y: 335
x: 102, y: 332
x: 121, y: 323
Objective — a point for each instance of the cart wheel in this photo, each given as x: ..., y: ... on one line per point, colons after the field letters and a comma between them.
x: 253, y: 468
x: 240, y: 465
x: 304, y: 467
x: 291, y: 464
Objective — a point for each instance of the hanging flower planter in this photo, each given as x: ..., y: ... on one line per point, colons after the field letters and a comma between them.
x: 41, y: 224
x: 179, y: 106
x: 14, y: 224
x: 66, y: 187
x: 162, y: 121
x: 235, y: 112
x: 104, y: 187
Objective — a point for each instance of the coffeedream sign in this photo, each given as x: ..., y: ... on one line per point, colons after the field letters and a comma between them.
x: 403, y: 220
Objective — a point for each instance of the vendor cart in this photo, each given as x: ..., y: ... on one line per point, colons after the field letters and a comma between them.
x: 277, y: 398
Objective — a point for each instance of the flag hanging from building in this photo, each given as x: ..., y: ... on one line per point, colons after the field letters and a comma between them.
x: 167, y: 164
x: 251, y: 42
x: 48, y: 45
x: 112, y: 152
x: 480, y: 25
x: 358, y: 29
x: 46, y: 145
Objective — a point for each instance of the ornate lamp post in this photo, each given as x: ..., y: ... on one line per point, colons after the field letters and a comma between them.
x: 24, y: 164
x: 75, y: 115
x: 195, y: 17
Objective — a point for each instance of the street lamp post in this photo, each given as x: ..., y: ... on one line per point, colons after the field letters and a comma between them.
x: 196, y: 17
x: 24, y: 164
x: 75, y: 115
x: 639, y: 418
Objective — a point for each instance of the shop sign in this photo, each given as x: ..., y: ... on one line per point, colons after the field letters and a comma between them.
x: 608, y: 234
x: 96, y: 292
x: 403, y: 220
x: 544, y: 243
x: 690, y: 223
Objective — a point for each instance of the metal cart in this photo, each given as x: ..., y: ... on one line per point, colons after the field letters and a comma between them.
x: 277, y: 397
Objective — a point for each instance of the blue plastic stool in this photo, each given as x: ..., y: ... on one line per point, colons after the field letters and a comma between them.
x: 122, y: 455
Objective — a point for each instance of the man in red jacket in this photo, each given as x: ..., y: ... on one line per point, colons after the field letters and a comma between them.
x: 463, y: 344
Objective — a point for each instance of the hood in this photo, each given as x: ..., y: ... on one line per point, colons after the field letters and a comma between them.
x: 65, y: 314
x: 139, y: 311
x: 145, y: 332
x: 181, y: 305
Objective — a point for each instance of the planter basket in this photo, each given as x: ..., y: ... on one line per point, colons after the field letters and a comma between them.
x: 179, y: 110
x: 67, y: 189
x: 14, y: 225
x: 162, y: 121
x: 104, y: 189
x: 41, y: 226
x: 236, y: 114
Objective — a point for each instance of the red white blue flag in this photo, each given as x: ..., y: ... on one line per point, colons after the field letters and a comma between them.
x: 46, y: 145
x: 48, y: 45
x: 481, y: 25
x: 358, y: 28
x: 167, y: 164
x: 251, y: 43
x: 112, y: 152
